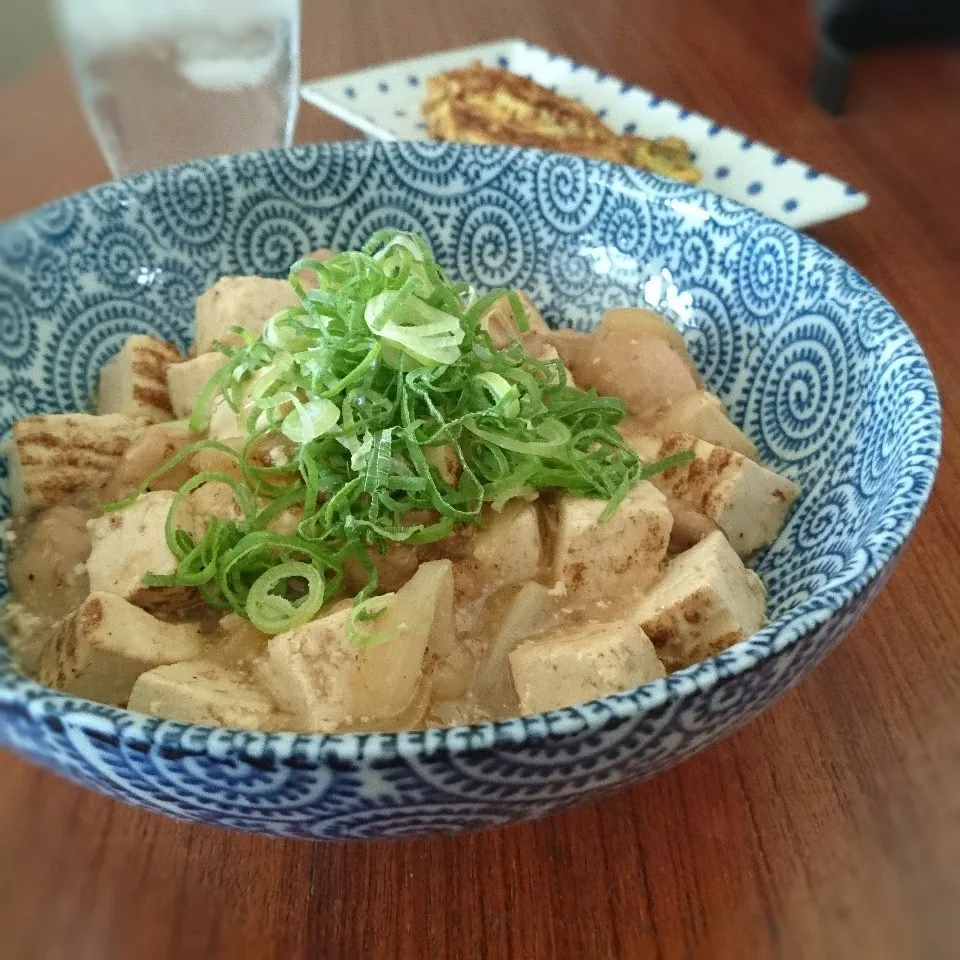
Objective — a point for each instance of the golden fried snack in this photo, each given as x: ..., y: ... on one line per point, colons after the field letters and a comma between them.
x: 487, y: 105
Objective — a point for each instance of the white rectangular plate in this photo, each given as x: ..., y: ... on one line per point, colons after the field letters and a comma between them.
x: 384, y: 102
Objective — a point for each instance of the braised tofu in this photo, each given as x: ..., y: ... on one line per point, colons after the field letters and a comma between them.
x: 246, y: 302
x: 158, y: 443
x: 55, y: 455
x: 571, y: 665
x: 211, y: 500
x: 706, y: 601
x: 99, y: 650
x: 704, y: 416
x: 616, y: 558
x: 330, y: 682
x: 749, y: 503
x: 202, y: 691
x: 185, y: 381
x: 130, y: 543
x: 134, y: 382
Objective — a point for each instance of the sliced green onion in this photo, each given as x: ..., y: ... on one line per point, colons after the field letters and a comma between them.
x: 273, y: 613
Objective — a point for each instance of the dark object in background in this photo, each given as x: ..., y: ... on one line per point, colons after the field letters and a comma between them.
x: 852, y: 27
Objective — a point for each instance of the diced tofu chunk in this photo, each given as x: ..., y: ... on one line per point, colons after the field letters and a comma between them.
x: 749, y: 503
x: 147, y: 454
x: 54, y: 456
x: 186, y: 380
x: 704, y: 416
x: 501, y: 322
x: 213, y: 499
x: 130, y: 543
x: 573, y: 665
x: 100, y: 650
x: 134, y: 382
x: 706, y: 601
x: 329, y: 682
x: 510, y: 548
x: 647, y: 371
x: 246, y: 302
x: 616, y: 558
x: 201, y: 691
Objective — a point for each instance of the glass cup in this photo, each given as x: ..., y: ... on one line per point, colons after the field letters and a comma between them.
x: 163, y: 81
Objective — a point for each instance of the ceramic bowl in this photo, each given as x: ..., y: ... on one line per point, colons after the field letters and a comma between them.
x: 814, y: 364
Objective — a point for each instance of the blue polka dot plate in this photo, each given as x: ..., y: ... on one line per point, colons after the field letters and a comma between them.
x: 384, y: 102
x: 814, y: 364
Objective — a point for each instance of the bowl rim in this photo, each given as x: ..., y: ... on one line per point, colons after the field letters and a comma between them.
x: 25, y: 696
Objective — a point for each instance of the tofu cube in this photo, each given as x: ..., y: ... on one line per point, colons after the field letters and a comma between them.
x: 704, y: 416
x: 53, y: 456
x: 134, y: 382
x: 185, y: 381
x: 130, y: 543
x: 329, y: 682
x: 615, y: 558
x: 246, y: 302
x: 706, y: 601
x: 573, y: 665
x: 510, y: 548
x: 202, y: 691
x: 213, y: 499
x: 748, y: 502
x: 99, y: 650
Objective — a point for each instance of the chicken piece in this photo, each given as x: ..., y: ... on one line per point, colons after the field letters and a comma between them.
x: 445, y: 461
x: 641, y: 322
x: 329, y: 682
x: 132, y: 542
x: 508, y: 550
x: 706, y: 601
x: 185, y: 381
x: 573, y: 348
x: 100, y: 650
x: 246, y: 302
x: 501, y: 322
x: 47, y: 571
x: 395, y: 566
x: 644, y: 369
x: 148, y: 453
x: 572, y: 665
x: 527, y: 614
x: 202, y: 691
x: 134, y: 382
x: 55, y: 455
x: 613, y: 559
x: 704, y: 416
x: 748, y: 502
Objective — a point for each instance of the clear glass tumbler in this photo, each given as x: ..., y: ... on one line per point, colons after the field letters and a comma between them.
x: 163, y: 81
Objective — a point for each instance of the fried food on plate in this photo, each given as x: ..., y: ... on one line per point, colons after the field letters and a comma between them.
x: 487, y: 105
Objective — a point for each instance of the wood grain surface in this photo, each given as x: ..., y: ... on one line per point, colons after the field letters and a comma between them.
x: 827, y: 828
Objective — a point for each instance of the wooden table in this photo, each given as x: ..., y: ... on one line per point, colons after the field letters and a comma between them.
x: 828, y: 828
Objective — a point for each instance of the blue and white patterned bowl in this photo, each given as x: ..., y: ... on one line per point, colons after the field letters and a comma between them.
x: 814, y: 363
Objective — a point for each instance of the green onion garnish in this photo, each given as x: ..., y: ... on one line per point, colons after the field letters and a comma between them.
x: 384, y: 358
